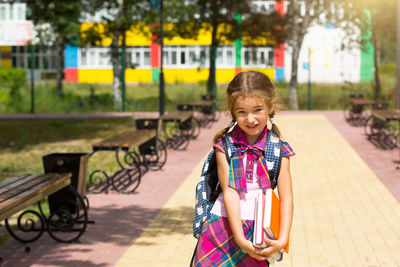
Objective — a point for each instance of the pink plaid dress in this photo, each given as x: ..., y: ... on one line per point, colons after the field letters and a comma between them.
x: 216, y: 245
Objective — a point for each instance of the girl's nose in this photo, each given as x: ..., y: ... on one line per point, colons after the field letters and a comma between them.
x: 250, y: 118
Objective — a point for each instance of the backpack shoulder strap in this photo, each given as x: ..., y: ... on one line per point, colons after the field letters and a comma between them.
x: 225, y: 147
x: 273, y: 157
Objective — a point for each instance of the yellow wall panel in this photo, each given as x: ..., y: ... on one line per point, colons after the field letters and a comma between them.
x: 5, y: 49
x: 136, y: 75
x: 195, y: 75
x: 203, y: 38
x: 139, y: 35
x: 185, y: 75
x: 224, y: 75
x: 6, y: 62
x: 106, y: 76
x: 5, y: 56
x: 95, y: 76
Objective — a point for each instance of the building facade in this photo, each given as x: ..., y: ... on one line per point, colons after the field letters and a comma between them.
x: 186, y: 60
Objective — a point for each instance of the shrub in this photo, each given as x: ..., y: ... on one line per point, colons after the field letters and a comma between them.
x: 14, y: 79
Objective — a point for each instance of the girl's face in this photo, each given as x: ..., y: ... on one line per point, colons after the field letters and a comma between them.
x: 251, y: 115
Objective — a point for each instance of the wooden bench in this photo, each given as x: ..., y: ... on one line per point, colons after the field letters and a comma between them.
x: 177, y: 128
x: 355, y: 114
x: 133, y: 149
x: 380, y: 129
x: 126, y: 140
x: 22, y: 191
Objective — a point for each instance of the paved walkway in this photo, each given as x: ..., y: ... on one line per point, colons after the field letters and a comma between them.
x: 346, y: 212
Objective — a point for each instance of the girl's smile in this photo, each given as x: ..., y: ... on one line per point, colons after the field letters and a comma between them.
x: 251, y: 115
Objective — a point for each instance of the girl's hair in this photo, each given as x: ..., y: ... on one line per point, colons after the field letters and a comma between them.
x: 251, y: 83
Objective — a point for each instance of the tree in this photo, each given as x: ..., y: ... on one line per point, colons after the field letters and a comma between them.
x: 57, y: 24
x: 378, y: 20
x: 122, y: 15
x: 300, y: 16
x: 221, y: 18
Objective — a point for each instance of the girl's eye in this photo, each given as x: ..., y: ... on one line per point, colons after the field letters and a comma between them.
x: 241, y: 112
x: 258, y: 110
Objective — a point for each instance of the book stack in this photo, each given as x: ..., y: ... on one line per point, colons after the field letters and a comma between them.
x: 267, y: 221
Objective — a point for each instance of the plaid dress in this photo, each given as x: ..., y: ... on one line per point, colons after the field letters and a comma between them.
x: 216, y: 246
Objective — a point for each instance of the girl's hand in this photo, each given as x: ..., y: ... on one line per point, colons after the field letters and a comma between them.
x: 252, y: 251
x: 273, y: 246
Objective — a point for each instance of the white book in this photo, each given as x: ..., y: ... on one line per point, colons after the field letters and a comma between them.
x: 262, y: 219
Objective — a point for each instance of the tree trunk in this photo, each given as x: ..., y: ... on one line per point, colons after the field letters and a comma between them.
x: 212, y: 57
x: 293, y: 96
x: 116, y: 63
x: 60, y: 65
x: 116, y: 57
x: 377, y: 93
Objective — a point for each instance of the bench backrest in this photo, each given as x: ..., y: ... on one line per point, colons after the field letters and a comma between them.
x: 380, y: 105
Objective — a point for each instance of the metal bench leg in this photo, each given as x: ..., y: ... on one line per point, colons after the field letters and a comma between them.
x: 30, y: 224
x: 69, y: 220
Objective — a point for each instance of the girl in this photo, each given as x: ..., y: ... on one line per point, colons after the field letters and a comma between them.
x: 226, y: 237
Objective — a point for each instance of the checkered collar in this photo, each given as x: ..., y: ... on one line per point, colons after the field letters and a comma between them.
x: 239, y: 137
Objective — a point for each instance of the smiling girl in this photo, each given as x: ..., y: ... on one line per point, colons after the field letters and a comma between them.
x: 227, y: 233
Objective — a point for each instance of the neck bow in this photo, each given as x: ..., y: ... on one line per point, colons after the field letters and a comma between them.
x: 237, y: 179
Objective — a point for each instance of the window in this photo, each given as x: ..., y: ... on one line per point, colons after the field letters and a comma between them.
x: 146, y: 58
x: 173, y: 59
x: 258, y: 57
x: 53, y: 60
x: 219, y: 57
x: 83, y: 57
x: 44, y: 58
x: 183, y: 61
x: 20, y: 12
x: 262, y: 57
x: 2, y: 12
x: 11, y: 12
x: 139, y: 57
x: 246, y: 58
x: 166, y: 58
x: 225, y: 57
x: 192, y: 57
x: 270, y: 58
x: 229, y: 57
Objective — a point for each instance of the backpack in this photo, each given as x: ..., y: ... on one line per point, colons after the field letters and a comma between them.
x: 208, y: 189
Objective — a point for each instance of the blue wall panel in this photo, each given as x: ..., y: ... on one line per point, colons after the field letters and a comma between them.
x: 71, y: 56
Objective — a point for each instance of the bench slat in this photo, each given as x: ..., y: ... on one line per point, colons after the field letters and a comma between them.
x: 16, y: 182
x: 128, y: 140
x: 23, y: 185
x: 180, y: 116
x: 36, y: 193
x: 13, y: 180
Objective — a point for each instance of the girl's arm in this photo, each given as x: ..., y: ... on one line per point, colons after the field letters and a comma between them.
x: 286, y: 216
x: 232, y: 207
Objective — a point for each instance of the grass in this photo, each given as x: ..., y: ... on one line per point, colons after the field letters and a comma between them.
x: 23, y: 143
x: 145, y: 97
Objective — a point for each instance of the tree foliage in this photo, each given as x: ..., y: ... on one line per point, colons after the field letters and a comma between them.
x: 57, y: 23
x: 377, y: 21
x: 227, y: 21
x: 121, y: 16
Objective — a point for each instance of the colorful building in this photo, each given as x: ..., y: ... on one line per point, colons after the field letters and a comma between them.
x: 186, y: 60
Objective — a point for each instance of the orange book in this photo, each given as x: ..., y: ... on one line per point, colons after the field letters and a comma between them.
x: 272, y: 214
x: 267, y: 219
